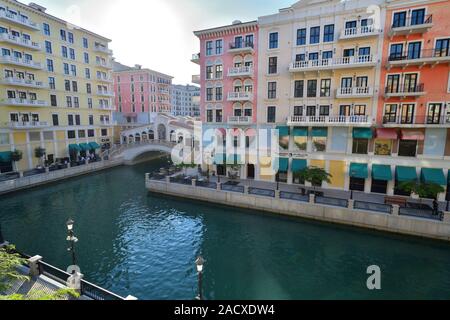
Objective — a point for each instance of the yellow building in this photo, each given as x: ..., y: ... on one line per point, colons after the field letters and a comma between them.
x: 55, y: 86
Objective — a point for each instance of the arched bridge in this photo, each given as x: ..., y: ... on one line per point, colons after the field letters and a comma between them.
x: 130, y: 152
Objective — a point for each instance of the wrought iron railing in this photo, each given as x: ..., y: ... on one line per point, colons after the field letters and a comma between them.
x: 262, y: 192
x: 336, y: 202
x: 294, y: 196
x: 369, y: 206
x: 421, y: 213
x: 231, y: 188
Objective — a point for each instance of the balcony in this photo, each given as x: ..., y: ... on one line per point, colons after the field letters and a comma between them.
x: 243, y: 47
x: 27, y: 125
x: 240, y: 72
x: 8, y: 38
x: 104, y: 79
x: 103, y: 64
x: 196, y: 79
x: 103, y: 49
x: 24, y: 102
x: 361, y: 32
x: 239, y: 120
x: 107, y: 123
x: 425, y: 57
x: 411, y: 26
x: 196, y: 58
x: 240, y: 96
x: 416, y: 121
x: 13, y: 81
x: 325, y: 121
x: 105, y: 93
x: 105, y: 107
x: 364, y: 92
x: 20, y: 62
x: 405, y: 91
x: 335, y: 63
x: 164, y: 91
x: 18, y: 20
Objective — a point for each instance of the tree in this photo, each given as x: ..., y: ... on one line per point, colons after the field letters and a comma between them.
x: 315, y: 176
x: 10, y: 261
x: 185, y: 166
x: 39, y: 153
x: 423, y: 190
x: 16, y: 156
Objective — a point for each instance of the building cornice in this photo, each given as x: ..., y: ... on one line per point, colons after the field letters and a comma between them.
x: 227, y: 30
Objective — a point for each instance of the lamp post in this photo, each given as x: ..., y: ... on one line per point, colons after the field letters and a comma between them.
x: 199, y: 263
x: 72, y: 240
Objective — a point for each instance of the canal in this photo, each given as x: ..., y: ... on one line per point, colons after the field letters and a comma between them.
x: 145, y: 245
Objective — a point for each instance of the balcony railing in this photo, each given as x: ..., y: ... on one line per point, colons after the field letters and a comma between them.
x: 427, y: 56
x: 411, y: 25
x: 105, y: 107
x: 334, y: 63
x: 240, y: 120
x: 5, y: 37
x: 405, y: 91
x: 240, y: 96
x: 24, y: 102
x: 353, y: 92
x: 105, y: 93
x: 240, y: 71
x: 20, y: 62
x: 103, y: 49
x: 106, y: 123
x: 416, y: 120
x: 103, y: 64
x: 330, y: 120
x: 196, y: 79
x: 14, y: 18
x: 24, y: 83
x: 241, y: 46
x: 104, y: 78
x: 196, y: 58
x: 27, y: 124
x: 365, y: 31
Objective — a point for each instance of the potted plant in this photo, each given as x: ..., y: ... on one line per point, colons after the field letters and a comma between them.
x: 16, y: 156
x: 420, y: 190
x: 315, y: 176
x: 39, y: 153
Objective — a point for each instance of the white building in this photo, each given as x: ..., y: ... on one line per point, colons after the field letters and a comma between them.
x: 185, y: 101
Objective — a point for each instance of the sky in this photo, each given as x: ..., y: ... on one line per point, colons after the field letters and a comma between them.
x: 158, y: 34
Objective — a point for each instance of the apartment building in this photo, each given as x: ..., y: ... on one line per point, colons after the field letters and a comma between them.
x: 186, y: 101
x: 140, y: 94
x: 358, y: 88
x: 55, y: 87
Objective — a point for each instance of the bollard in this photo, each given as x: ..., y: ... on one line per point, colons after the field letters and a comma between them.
x: 312, y: 198
x: 351, y: 204
x: 194, y: 182
x: 277, y: 194
x: 246, y: 189
x: 395, y: 210
x: 219, y: 186
x: 167, y: 179
x: 33, y: 264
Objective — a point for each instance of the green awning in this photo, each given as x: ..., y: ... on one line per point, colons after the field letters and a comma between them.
x: 319, y: 132
x: 283, y: 165
x: 406, y: 174
x: 435, y: 176
x: 219, y: 158
x: 5, y: 156
x: 74, y: 147
x: 381, y: 172
x: 362, y: 133
x: 94, y: 146
x: 284, y: 131
x: 84, y: 147
x: 299, y: 165
x: 359, y: 170
x: 234, y: 159
x: 300, y: 132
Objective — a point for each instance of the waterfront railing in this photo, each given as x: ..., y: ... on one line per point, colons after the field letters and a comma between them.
x: 370, y: 206
x: 332, y: 201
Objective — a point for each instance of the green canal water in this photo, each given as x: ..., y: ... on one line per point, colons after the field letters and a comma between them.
x: 132, y: 242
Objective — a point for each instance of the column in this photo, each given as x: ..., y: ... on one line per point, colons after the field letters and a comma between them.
x: 290, y: 173
x: 368, y: 182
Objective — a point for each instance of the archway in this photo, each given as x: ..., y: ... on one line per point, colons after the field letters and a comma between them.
x: 151, y: 135
x: 130, y: 138
x: 137, y: 138
x: 162, y: 133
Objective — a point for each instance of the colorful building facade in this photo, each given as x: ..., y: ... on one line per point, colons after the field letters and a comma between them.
x: 186, y: 101
x: 56, y: 86
x: 140, y: 94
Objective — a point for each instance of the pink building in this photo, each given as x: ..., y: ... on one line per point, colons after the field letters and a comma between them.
x: 228, y: 62
x: 140, y: 94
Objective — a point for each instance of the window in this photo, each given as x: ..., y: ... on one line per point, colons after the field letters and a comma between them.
x: 209, y: 94
x: 407, y: 148
x: 414, y: 50
x: 209, y: 116
x: 85, y: 43
x: 383, y: 147
x: 70, y: 34
x: 63, y: 35
x: 81, y: 134
x: 209, y: 48
x: 219, y: 47
x: 324, y: 111
x: 379, y: 186
x: 219, y: 95
x: 325, y: 88
x: 314, y: 36
x: 87, y: 73
x: 327, y: 55
x: 442, y: 48
x: 77, y: 120
x: 67, y: 85
x: 76, y: 102
x: 273, y: 65
x: 66, y: 68
x: 219, y: 71
x: 69, y: 102
x: 396, y: 52
x: 272, y: 90
x: 209, y: 73
x: 390, y: 113
x: 301, y: 37
x: 299, y: 88
x: 91, y: 133
x: 48, y: 47
x: 91, y: 120
x: 435, y: 113
x: 51, y: 83
x: 64, y: 51
x: 88, y: 88
x: 357, y: 184
x: 53, y: 101
x: 74, y: 86
x: 328, y: 35
x: 417, y: 17
x: 219, y: 116
x: 312, y: 88
x: 313, y: 56
x: 72, y: 54
x: 86, y: 57
x: 50, y: 65
x: 298, y: 111
x: 273, y: 40
x: 46, y: 29
x: 393, y: 83
x: 70, y: 119
x: 311, y: 111
x: 55, y: 119
x: 359, y: 110
x: 399, y: 19
x: 71, y: 134
x: 360, y: 146
x: 73, y: 69
x: 90, y: 103
x: 271, y: 114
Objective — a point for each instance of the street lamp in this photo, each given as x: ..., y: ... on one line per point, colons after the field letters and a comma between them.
x: 72, y: 240
x: 199, y: 263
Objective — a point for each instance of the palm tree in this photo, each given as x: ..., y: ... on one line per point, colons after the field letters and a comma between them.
x: 315, y: 176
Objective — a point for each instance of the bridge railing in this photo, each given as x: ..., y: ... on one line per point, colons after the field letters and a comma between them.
x: 119, y: 148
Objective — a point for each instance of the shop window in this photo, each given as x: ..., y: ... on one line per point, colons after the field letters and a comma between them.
x: 379, y: 186
x: 407, y: 148
x: 357, y: 184
x: 282, y: 177
x: 301, y: 143
x: 319, y: 144
x: 383, y: 147
x: 360, y: 146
